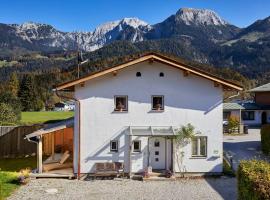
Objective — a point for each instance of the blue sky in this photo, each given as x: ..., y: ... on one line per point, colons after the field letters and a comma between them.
x: 85, y: 15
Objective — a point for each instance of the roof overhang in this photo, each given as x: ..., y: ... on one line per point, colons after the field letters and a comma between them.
x: 49, y: 128
x: 227, y: 85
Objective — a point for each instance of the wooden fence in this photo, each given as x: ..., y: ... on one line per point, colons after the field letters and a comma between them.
x: 6, y: 129
x: 13, y: 144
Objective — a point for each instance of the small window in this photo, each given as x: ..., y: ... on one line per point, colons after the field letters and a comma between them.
x: 156, y: 153
x: 248, y: 115
x: 157, y: 143
x: 226, y: 115
x: 161, y: 74
x: 114, y: 146
x: 136, y: 146
x: 121, y: 103
x: 138, y: 74
x: 199, y: 147
x: 157, y: 102
x: 156, y: 159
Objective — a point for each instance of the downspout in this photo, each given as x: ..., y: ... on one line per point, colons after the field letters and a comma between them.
x: 79, y: 129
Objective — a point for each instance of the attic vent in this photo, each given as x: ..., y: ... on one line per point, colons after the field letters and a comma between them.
x: 138, y: 74
x: 161, y: 74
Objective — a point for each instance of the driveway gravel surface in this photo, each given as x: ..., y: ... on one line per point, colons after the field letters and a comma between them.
x: 186, y: 189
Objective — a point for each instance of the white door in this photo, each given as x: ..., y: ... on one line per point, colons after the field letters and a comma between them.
x: 157, y: 153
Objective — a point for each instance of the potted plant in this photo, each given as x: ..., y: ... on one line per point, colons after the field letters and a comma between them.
x: 23, y: 177
x: 120, y: 106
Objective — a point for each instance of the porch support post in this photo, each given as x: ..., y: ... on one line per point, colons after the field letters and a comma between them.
x: 173, y: 156
x: 129, y: 155
x: 39, y: 155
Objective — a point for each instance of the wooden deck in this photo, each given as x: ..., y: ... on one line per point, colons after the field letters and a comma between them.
x: 61, y: 173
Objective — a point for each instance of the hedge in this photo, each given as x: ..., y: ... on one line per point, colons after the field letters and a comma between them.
x: 265, y: 138
x: 253, y: 180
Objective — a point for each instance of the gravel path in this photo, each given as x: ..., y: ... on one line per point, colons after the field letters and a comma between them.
x: 244, y: 147
x: 210, y: 188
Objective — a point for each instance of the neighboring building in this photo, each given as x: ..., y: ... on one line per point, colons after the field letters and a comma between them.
x: 64, y: 106
x: 253, y: 113
x: 129, y: 113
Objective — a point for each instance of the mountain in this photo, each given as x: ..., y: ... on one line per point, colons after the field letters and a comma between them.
x: 199, y: 24
x: 198, y: 35
x: 43, y: 37
x: 192, y: 24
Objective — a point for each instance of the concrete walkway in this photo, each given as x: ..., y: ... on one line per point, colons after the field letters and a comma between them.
x: 244, y: 147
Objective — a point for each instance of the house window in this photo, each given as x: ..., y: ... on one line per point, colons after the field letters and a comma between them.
x: 226, y: 115
x: 161, y: 74
x: 157, y: 102
x: 199, y: 147
x: 120, y: 103
x: 248, y: 115
x: 114, y: 146
x: 138, y: 74
x: 156, y: 143
x: 137, y: 146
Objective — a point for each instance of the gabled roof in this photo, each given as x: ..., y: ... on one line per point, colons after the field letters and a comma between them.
x: 153, y: 57
x: 262, y: 88
x: 232, y: 106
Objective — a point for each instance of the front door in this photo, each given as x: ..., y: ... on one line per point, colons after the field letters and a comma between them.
x: 157, y: 157
x: 264, y: 118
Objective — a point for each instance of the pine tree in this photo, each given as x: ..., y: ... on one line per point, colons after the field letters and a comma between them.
x: 27, y: 93
x: 13, y: 84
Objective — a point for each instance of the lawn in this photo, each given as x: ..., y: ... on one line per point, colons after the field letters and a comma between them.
x: 9, y: 168
x: 16, y: 164
x: 44, y: 117
x: 8, y: 183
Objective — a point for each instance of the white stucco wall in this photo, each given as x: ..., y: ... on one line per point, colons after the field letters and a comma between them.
x: 189, y: 99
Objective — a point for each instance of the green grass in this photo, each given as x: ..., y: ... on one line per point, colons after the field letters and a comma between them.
x: 8, y: 183
x: 44, y: 117
x: 9, y: 168
x: 16, y: 164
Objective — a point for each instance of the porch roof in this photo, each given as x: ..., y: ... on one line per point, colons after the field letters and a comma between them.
x: 48, y: 128
x: 152, y: 130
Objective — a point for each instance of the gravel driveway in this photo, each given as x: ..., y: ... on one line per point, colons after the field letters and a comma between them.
x: 244, y: 147
x: 211, y: 188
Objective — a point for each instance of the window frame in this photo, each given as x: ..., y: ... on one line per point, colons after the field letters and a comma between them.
x: 117, y: 146
x: 162, y: 105
x: 120, y: 96
x: 198, y: 141
x: 249, y: 118
x: 140, y: 146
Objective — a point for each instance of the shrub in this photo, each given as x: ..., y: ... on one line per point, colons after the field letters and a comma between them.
x: 253, y: 180
x: 265, y: 138
x: 233, y: 124
x: 7, y: 115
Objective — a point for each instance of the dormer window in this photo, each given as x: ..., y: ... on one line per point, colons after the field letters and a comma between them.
x: 138, y: 74
x: 120, y: 103
x: 158, y: 103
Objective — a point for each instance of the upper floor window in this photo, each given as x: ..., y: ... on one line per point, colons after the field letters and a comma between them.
x: 161, y: 74
x: 114, y: 146
x: 248, y: 115
x: 138, y: 74
x: 157, y: 102
x: 120, y: 103
x: 199, y: 146
x: 136, y: 146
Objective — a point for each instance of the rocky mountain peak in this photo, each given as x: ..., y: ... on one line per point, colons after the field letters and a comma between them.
x: 199, y: 17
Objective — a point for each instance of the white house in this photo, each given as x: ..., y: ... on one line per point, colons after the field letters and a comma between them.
x: 129, y: 113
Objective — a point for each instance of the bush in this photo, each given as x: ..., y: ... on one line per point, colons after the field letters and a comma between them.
x: 7, y: 115
x: 265, y: 139
x: 233, y: 124
x: 253, y: 180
